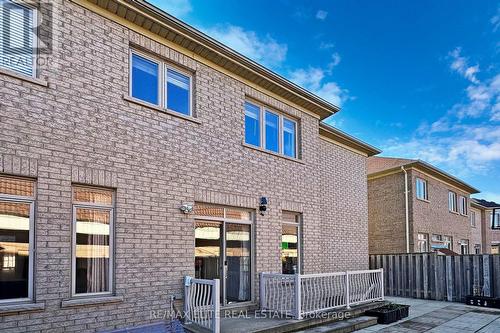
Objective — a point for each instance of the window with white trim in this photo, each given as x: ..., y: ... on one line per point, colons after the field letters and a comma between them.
x: 464, y: 246
x: 462, y: 205
x: 290, y: 243
x: 160, y: 84
x: 18, y: 30
x: 495, y: 219
x: 473, y: 218
x: 421, y: 186
x: 452, y: 201
x: 270, y: 130
x: 17, y: 200
x: 93, y: 240
x: 423, y: 243
x: 448, y: 242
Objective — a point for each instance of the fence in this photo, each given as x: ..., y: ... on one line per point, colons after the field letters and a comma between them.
x: 300, y: 295
x: 202, y: 303
x: 432, y: 276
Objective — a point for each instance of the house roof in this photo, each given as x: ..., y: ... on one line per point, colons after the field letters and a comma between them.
x: 197, y: 45
x: 346, y: 139
x: 485, y: 204
x: 379, y: 166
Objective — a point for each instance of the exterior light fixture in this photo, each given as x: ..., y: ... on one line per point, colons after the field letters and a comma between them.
x: 263, y: 205
x: 186, y: 208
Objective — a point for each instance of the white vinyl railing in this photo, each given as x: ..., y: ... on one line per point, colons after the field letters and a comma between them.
x: 202, y: 303
x: 303, y: 294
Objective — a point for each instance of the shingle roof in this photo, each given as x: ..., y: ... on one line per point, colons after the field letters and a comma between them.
x: 377, y: 164
x: 487, y: 204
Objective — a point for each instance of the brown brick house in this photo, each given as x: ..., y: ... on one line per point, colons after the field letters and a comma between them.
x: 415, y: 207
x: 139, y: 151
x: 487, y: 213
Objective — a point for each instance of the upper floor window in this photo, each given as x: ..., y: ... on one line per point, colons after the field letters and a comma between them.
x: 452, y: 201
x: 270, y: 130
x: 18, y: 37
x: 495, y: 219
x: 92, y: 241
x: 422, y: 189
x: 463, y: 205
x: 473, y: 218
x: 17, y: 199
x: 146, y: 77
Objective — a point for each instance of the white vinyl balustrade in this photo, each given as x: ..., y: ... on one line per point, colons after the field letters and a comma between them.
x: 202, y: 303
x: 319, y: 292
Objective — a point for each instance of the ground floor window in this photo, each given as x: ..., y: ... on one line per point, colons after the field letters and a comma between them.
x: 223, y: 250
x: 448, y: 242
x: 92, y: 241
x: 477, y: 249
x: 422, y: 242
x: 495, y: 249
x: 290, y: 243
x: 17, y: 197
x: 464, y: 246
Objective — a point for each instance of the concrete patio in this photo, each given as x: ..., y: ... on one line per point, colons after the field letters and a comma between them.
x: 441, y: 317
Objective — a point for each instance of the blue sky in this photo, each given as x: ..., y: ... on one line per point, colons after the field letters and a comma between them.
x: 418, y: 79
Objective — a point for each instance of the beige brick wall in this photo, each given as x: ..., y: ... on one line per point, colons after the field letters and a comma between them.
x: 476, y: 232
x: 79, y: 129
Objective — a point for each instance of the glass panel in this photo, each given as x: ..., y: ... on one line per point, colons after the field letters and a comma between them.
x: 208, y: 210
x: 208, y: 238
x: 92, y: 250
x: 289, y: 249
x: 238, y: 249
x: 14, y: 249
x: 145, y: 79
x: 14, y: 186
x: 16, y: 50
x: 252, y: 124
x: 289, y: 137
x: 237, y: 214
x: 92, y: 195
x: 178, y: 92
x: 272, y: 131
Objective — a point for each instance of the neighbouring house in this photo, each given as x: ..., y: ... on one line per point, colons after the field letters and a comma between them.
x: 137, y: 151
x: 416, y: 207
x: 487, y: 213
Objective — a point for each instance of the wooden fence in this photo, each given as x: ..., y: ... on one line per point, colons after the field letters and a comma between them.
x: 439, y: 277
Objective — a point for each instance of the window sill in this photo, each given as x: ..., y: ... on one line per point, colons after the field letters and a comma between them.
x: 68, y: 303
x: 23, y: 77
x: 246, y: 145
x: 157, y: 108
x: 452, y: 212
x: 9, y: 309
x: 423, y: 200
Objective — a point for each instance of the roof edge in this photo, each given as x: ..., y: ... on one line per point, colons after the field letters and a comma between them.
x: 346, y: 139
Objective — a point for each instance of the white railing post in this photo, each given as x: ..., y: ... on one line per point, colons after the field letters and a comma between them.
x: 382, y: 283
x: 347, y: 290
x: 298, y: 297
x: 262, y: 289
x: 216, y: 306
x: 186, y: 297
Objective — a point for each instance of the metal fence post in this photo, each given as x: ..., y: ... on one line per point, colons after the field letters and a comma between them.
x: 347, y: 291
x: 216, y: 306
x: 382, y: 283
x: 298, y: 297
x: 262, y: 292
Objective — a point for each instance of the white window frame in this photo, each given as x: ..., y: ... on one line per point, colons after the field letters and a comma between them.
x: 35, y: 27
x: 448, y: 240
x: 31, y: 239
x: 281, y: 132
x: 426, y: 239
x: 462, y: 205
x: 495, y: 219
x: 425, y: 187
x: 473, y: 219
x: 163, y: 68
x: 452, y: 208
x: 97, y: 206
x: 298, y: 225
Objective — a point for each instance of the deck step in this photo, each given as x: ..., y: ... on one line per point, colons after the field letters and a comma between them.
x: 344, y: 326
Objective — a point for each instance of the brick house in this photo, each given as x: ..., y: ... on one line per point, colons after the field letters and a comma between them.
x: 433, y: 215
x: 487, y: 213
x: 139, y: 151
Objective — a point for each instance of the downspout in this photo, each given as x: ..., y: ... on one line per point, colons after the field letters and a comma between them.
x: 407, y: 218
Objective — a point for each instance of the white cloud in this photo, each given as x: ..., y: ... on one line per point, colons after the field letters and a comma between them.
x: 321, y: 15
x: 460, y: 65
x: 326, y: 45
x: 176, y: 8
x: 495, y: 20
x: 263, y: 49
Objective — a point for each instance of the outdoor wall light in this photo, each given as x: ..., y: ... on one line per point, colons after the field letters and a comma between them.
x: 186, y: 208
x: 262, y: 205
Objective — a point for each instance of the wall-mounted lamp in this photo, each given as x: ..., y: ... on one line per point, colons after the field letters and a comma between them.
x: 186, y: 208
x: 263, y: 205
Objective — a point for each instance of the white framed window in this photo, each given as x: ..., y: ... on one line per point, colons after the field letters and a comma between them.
x: 17, y: 200
x: 270, y: 130
x: 421, y: 187
x: 477, y: 249
x: 495, y: 219
x: 291, y: 238
x: 464, y: 246
x: 452, y: 201
x: 423, y: 243
x: 473, y: 219
x: 160, y: 84
x: 18, y: 37
x: 463, y: 205
x: 92, y: 241
x: 448, y: 242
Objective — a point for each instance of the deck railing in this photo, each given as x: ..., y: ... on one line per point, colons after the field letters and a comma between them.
x: 202, y: 303
x: 300, y: 295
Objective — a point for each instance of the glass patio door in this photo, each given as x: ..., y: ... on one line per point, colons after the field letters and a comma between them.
x: 223, y: 250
